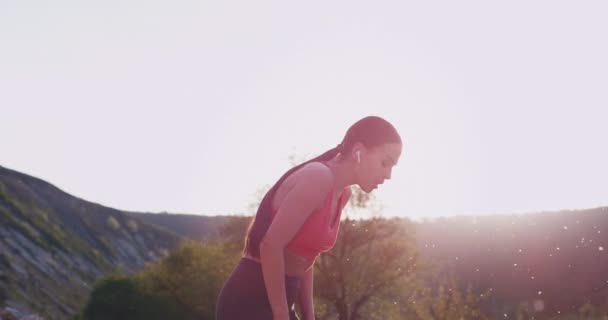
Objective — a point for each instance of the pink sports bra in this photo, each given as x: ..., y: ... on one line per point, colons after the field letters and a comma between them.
x: 317, y: 234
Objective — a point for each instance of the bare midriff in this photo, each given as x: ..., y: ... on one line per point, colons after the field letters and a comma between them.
x: 295, y: 265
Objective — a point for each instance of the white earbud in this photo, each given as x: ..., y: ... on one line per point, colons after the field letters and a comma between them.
x: 358, y: 156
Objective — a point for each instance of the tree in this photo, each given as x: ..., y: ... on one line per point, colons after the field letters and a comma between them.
x: 184, y: 285
x: 524, y: 311
x: 591, y: 312
x: 119, y: 297
x: 192, y: 275
x: 232, y: 233
x: 447, y: 302
x: 368, y: 268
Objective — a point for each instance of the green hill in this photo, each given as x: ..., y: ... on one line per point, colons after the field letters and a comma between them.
x: 54, y: 246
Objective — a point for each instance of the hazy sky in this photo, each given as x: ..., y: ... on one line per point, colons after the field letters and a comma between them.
x: 193, y: 106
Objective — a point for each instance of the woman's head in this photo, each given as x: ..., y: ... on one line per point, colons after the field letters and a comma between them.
x: 374, y: 146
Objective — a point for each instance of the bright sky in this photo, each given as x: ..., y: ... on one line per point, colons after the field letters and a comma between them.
x: 193, y: 106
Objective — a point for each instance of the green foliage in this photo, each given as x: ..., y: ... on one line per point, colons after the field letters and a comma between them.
x: 118, y: 297
x: 77, y: 316
x: 591, y: 312
x: 12, y: 200
x: 587, y: 311
x: 40, y: 213
x: 371, y: 265
x: 369, y: 269
x: 446, y: 302
x: 192, y: 275
x: 26, y: 230
x: 132, y: 226
x: 524, y: 312
x: 50, y: 235
x: 105, y: 244
x: 53, y: 221
x: 233, y: 233
x: 113, y: 223
x: 183, y: 285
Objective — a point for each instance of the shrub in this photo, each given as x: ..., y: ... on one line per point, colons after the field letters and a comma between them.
x: 118, y: 297
x: 113, y: 223
x: 193, y: 274
x: 132, y: 225
x: 183, y: 285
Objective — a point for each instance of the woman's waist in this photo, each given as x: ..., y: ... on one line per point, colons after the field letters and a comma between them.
x: 250, y: 257
x: 295, y: 266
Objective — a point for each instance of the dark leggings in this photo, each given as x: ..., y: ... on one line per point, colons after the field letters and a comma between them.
x: 243, y: 296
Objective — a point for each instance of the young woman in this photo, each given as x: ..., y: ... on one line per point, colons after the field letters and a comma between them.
x: 298, y: 219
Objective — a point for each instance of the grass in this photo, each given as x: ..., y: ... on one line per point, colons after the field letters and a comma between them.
x: 52, y: 235
x: 23, y: 227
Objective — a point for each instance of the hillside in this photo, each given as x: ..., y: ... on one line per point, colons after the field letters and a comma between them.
x: 54, y: 246
x: 195, y: 227
x: 548, y: 262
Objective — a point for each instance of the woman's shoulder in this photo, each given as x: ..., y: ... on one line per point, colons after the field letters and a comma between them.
x: 312, y: 181
x: 305, y: 191
x: 315, y: 174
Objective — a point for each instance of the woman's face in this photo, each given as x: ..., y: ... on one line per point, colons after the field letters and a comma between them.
x: 376, y: 165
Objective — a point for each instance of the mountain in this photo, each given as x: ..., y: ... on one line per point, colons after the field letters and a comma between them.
x: 191, y: 226
x: 548, y: 263
x: 54, y: 246
x: 545, y: 263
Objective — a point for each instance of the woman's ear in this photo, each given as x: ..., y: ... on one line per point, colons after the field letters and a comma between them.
x: 356, y: 151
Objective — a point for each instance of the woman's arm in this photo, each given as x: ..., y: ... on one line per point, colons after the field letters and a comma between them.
x: 307, y: 194
x: 305, y: 296
x: 273, y: 271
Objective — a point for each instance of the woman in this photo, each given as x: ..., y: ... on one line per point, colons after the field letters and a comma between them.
x: 298, y: 219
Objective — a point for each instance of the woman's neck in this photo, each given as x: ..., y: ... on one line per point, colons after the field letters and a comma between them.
x: 343, y: 173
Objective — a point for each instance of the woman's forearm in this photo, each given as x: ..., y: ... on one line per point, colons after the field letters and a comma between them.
x: 273, y: 270
x: 305, y: 295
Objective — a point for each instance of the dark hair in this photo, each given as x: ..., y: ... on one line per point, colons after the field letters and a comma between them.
x: 371, y: 131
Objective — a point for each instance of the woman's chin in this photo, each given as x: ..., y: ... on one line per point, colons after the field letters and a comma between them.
x: 369, y: 189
